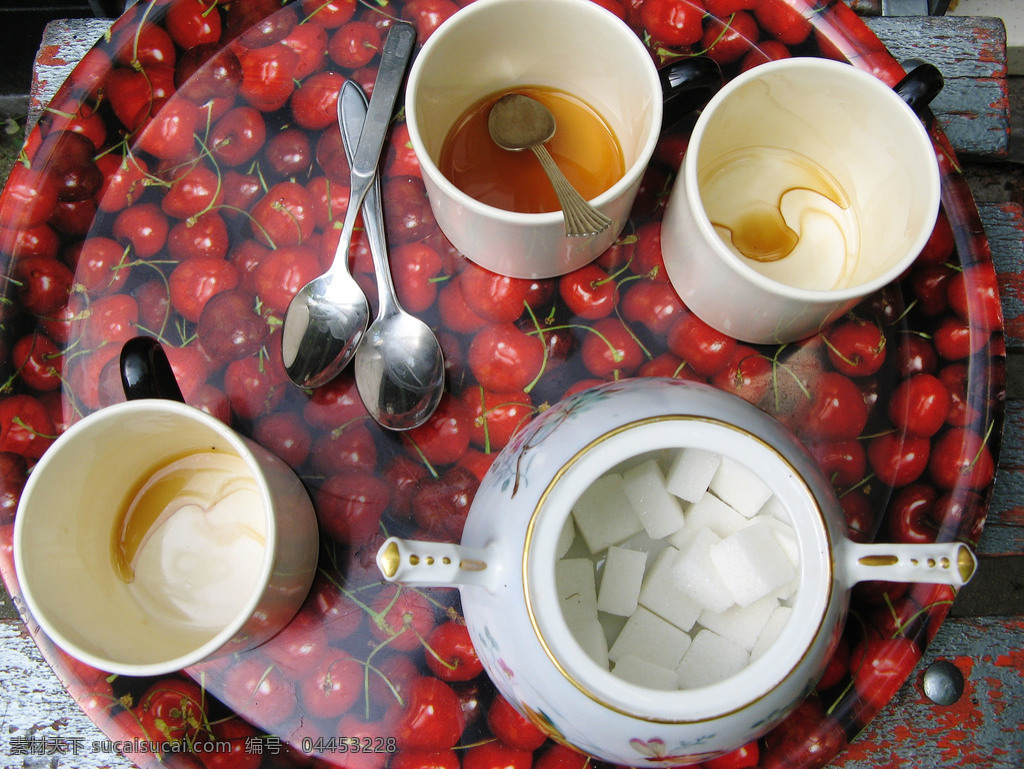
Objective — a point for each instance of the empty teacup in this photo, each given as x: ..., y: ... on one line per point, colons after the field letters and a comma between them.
x: 807, y: 185
x: 151, y: 536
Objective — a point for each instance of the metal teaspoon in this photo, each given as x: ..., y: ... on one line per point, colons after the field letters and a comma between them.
x: 399, y: 366
x: 327, y: 317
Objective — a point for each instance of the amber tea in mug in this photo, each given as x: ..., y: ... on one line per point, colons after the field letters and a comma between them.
x: 584, y: 147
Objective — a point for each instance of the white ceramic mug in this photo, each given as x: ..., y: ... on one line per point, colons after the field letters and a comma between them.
x: 845, y: 161
x: 493, y: 45
x: 506, y: 566
x: 70, y: 508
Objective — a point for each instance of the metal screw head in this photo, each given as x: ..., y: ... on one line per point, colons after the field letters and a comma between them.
x: 943, y: 682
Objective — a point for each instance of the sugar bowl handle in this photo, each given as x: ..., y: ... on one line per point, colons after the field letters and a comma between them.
x: 436, y: 564
x: 943, y: 563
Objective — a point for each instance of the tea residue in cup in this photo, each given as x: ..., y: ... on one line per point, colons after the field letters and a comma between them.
x: 784, y: 214
x: 584, y: 147
x: 190, y: 539
x: 677, y: 571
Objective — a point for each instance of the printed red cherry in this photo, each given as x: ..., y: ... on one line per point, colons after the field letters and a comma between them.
x: 284, y: 216
x: 402, y: 616
x: 268, y: 76
x: 261, y: 22
x: 354, y: 44
x: 69, y: 161
x: 610, y: 350
x: 973, y: 293
x: 416, y: 267
x: 239, y: 737
x: 963, y: 411
x: 496, y: 417
x: 229, y: 327
x: 728, y: 38
x: 919, y: 405
x: 909, y: 516
x: 498, y: 298
x: 409, y: 216
x: 504, y: 358
x: 44, y: 284
x: 807, y: 735
x: 496, y: 755
x: 143, y: 227
x: 655, y: 304
x: 765, y: 51
x: 441, y: 506
x: 254, y: 386
x: 25, y: 426
x: 898, y: 459
x: 675, y: 23
x: 315, y: 102
x: 704, y: 349
x: 589, y: 292
x: 879, y: 668
x: 939, y: 248
x: 558, y: 756
x: 173, y: 708
x: 856, y: 347
x: 333, y: 686
x: 38, y: 361
x: 171, y: 133
x: 37, y: 241
x: 512, y: 727
x: 281, y: 273
x: 743, y: 757
x: 28, y: 197
x: 835, y: 409
x: 450, y: 654
x: 961, y: 458
x: 844, y: 462
x: 349, y: 505
x: 197, y: 280
x: 420, y: 759
x: 288, y: 152
x: 254, y: 686
x: 349, y: 447
x: 329, y: 13
x: 783, y: 21
x: 193, y: 22
x: 432, y: 718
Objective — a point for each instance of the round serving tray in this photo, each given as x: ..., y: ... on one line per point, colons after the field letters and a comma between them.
x: 189, y: 177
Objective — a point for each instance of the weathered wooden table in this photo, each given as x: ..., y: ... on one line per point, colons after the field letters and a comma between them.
x: 983, y: 638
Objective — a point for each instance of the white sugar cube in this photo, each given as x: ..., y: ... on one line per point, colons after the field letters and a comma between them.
x: 775, y: 509
x: 576, y: 584
x: 741, y: 624
x: 739, y: 487
x: 709, y: 660
x: 659, y: 512
x: 751, y: 563
x: 694, y: 573
x: 691, y: 472
x: 621, y: 581
x: 643, y: 673
x: 648, y: 636
x: 661, y: 595
x: 709, y: 512
x: 771, y: 631
x: 785, y: 535
x: 565, y: 538
x: 589, y: 634
x: 604, y: 515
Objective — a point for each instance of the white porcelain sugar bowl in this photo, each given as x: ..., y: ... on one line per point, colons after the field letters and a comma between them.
x: 525, y: 626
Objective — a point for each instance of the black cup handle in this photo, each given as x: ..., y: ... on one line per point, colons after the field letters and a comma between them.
x: 920, y: 85
x: 146, y: 372
x: 687, y: 85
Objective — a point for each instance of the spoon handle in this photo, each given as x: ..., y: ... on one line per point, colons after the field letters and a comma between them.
x: 581, y: 218
x: 352, y: 110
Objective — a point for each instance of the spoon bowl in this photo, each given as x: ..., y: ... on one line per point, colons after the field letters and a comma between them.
x: 327, y: 317
x: 399, y: 366
x: 518, y: 122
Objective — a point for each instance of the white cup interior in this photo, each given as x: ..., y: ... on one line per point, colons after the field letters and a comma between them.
x: 494, y: 45
x: 809, y: 604
x: 850, y: 123
x: 64, y: 531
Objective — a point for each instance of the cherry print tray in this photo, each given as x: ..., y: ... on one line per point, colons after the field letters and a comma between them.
x: 189, y: 177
